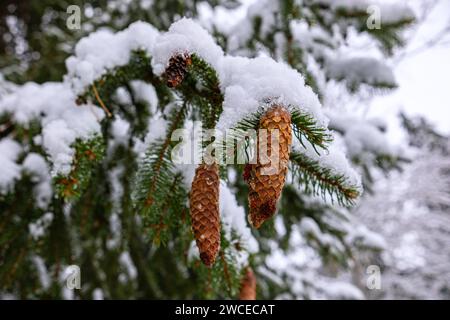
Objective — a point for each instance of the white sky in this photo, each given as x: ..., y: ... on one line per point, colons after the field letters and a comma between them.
x: 423, y: 78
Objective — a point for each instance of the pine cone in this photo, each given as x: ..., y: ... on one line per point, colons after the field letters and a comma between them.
x: 248, y: 286
x: 177, y: 69
x: 265, y: 187
x: 204, y: 205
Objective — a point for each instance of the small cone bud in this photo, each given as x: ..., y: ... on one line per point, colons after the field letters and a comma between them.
x: 266, y: 178
x: 177, y: 69
x: 204, y: 207
x: 248, y: 286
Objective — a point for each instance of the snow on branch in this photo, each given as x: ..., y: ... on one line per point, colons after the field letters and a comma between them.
x: 390, y: 13
x: 361, y: 70
x: 249, y: 84
x: 104, y: 50
x: 9, y: 152
x: 62, y: 121
x: 185, y: 36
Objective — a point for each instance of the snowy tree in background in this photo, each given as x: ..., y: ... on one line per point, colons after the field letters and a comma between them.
x: 91, y: 173
x: 412, y: 215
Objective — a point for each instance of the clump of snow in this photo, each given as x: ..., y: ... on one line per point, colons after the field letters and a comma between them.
x: 62, y: 120
x: 361, y: 70
x: 127, y: 263
x: 104, y: 50
x: 361, y: 135
x: 35, y: 165
x: 44, y: 276
x: 9, y: 152
x: 185, y: 36
x: 58, y: 139
x: 364, y: 238
x: 97, y: 294
x: 120, y: 130
x: 249, y: 84
x: 367, y: 138
x: 145, y: 93
x: 37, y: 229
x: 157, y: 129
x: 343, y: 290
x: 122, y: 96
x: 266, y: 10
x: 311, y: 37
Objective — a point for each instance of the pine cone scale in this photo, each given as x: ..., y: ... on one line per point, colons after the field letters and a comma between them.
x: 265, y: 189
x: 177, y: 69
x: 204, y: 204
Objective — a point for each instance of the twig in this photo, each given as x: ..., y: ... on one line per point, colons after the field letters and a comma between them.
x: 97, y: 96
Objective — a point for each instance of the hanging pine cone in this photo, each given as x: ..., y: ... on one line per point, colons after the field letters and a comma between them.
x: 265, y: 189
x: 204, y: 205
x: 177, y: 69
x: 248, y: 286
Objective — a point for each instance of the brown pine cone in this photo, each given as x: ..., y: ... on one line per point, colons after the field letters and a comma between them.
x: 177, y: 69
x: 248, y: 286
x: 204, y: 207
x: 266, y: 179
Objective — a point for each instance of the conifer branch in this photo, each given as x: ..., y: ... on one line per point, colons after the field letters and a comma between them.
x: 321, y: 181
x: 88, y: 153
x: 158, y: 192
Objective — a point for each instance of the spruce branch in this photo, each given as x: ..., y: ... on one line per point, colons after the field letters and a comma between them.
x: 158, y: 191
x: 322, y: 181
x: 201, y: 89
x: 88, y: 153
x: 304, y: 127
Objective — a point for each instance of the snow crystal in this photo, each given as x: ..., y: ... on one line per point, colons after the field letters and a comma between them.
x: 104, y: 50
x: 9, y: 152
x: 185, y: 36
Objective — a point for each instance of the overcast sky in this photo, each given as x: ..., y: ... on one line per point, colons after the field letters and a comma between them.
x: 423, y: 78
